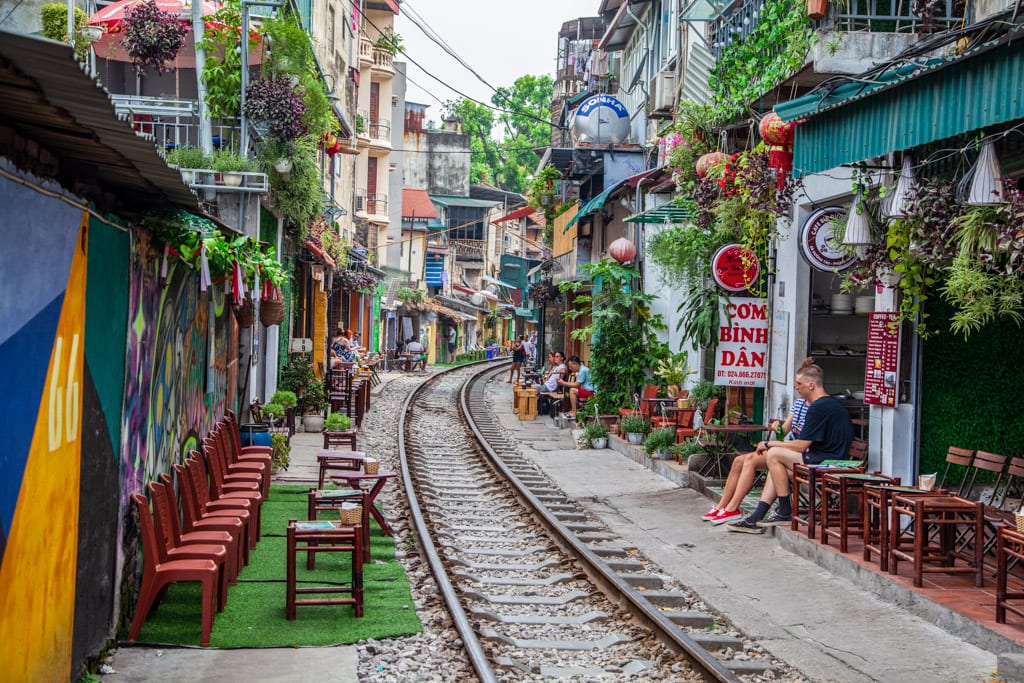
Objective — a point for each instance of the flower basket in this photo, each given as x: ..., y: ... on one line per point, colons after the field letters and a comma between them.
x: 371, y: 466
x: 271, y: 312
x: 245, y: 314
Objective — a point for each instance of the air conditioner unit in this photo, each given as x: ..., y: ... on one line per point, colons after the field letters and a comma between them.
x: 664, y: 91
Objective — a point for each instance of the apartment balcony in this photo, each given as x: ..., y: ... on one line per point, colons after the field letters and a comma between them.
x: 376, y: 134
x: 372, y: 207
x: 365, y: 53
x: 852, y: 37
x: 383, y: 63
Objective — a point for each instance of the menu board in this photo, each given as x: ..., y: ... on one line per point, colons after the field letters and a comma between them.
x: 882, y: 369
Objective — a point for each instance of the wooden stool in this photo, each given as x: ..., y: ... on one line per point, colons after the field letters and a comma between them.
x: 810, y: 476
x: 946, y: 513
x: 528, y: 404
x: 836, y: 491
x: 875, y: 517
x: 1009, y: 543
x: 324, y: 537
x: 515, y: 397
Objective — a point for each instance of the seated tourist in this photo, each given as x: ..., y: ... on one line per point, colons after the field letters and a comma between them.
x: 415, y: 349
x: 579, y: 386
x: 556, y: 372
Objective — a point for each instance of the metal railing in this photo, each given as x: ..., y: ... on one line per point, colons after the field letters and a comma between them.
x: 372, y: 204
x: 848, y: 16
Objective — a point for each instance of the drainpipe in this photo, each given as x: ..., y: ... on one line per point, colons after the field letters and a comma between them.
x: 629, y: 11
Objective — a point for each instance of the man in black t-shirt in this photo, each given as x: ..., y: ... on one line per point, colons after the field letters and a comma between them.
x: 826, y: 435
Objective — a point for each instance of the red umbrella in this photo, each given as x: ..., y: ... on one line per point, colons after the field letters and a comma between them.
x: 111, y: 16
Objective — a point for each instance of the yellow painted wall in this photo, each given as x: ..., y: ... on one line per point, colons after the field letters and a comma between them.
x: 37, y: 577
x: 563, y: 242
x: 319, y: 329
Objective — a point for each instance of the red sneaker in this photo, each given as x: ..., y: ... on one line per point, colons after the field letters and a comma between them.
x: 710, y: 514
x: 725, y: 516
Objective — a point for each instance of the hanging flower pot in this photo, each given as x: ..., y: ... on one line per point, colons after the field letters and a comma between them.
x: 817, y: 9
x: 245, y: 313
x: 272, y: 309
x: 283, y: 166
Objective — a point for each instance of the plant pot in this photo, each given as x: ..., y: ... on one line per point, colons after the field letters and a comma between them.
x: 245, y: 314
x: 271, y: 312
x: 888, y: 277
x: 663, y: 454
x: 672, y: 390
x: 817, y: 9
x: 635, y: 438
x: 313, y: 423
x: 600, y: 442
x: 232, y: 179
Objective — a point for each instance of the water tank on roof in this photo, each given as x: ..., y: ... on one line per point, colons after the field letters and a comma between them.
x: 601, y: 120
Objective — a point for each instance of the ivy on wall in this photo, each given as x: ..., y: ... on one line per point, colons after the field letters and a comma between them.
x: 773, y: 52
x: 964, y: 390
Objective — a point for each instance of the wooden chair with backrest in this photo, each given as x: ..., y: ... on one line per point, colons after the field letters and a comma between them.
x: 957, y: 459
x: 158, y: 572
x: 994, y: 464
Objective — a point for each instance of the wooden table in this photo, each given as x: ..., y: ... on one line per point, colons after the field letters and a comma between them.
x: 356, y: 479
x: 943, y: 513
x: 330, y: 459
x: 323, y: 536
x: 836, y: 492
x: 331, y: 500
x: 1009, y: 545
x: 722, y: 446
x: 877, y: 499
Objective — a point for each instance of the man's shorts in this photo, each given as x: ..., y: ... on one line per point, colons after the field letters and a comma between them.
x: 584, y: 393
x: 811, y: 458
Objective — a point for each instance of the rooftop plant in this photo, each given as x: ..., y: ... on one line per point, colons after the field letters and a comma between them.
x: 152, y: 37
x: 54, y: 18
x: 275, y: 102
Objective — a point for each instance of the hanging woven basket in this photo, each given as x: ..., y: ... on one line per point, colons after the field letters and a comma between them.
x: 245, y: 314
x: 271, y: 312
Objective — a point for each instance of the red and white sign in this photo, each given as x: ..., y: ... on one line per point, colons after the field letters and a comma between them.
x: 882, y: 369
x: 742, y: 343
x: 735, y: 268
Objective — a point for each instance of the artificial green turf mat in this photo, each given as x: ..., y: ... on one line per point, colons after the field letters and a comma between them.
x: 254, y: 616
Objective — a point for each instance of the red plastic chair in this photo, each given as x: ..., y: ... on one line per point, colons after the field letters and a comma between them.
x: 230, y: 422
x: 230, y: 480
x: 212, y: 501
x: 165, y: 512
x: 158, y: 572
x: 231, y: 465
x: 641, y: 407
x: 194, y: 518
x: 231, y: 488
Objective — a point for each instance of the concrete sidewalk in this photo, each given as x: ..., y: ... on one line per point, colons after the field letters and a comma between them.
x: 820, y: 623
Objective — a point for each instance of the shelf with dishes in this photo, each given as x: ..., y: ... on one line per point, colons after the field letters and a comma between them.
x: 838, y: 351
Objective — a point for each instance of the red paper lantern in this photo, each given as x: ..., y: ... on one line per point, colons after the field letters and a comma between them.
x: 334, y: 149
x: 709, y: 161
x: 622, y: 250
x: 775, y: 131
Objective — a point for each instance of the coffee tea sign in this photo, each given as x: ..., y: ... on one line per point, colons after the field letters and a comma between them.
x: 742, y: 343
x: 819, y: 240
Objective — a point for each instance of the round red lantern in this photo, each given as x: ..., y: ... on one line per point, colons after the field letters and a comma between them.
x: 622, y: 250
x: 775, y: 131
x: 709, y: 161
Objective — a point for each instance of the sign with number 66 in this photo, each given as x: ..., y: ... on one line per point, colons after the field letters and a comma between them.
x: 65, y: 403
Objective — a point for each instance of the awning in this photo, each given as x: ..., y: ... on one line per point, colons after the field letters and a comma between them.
x: 910, y: 105
x: 622, y: 26
x: 666, y: 213
x: 518, y: 213
x: 488, y: 278
x: 461, y: 305
x: 455, y: 315
x: 319, y: 254
x: 464, y: 202
x: 598, y: 202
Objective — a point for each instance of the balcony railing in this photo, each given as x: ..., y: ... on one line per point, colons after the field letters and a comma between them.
x: 365, y: 52
x: 372, y: 204
x: 878, y: 16
x: 383, y: 60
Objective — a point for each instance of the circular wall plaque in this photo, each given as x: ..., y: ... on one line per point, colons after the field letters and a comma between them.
x: 819, y: 243
x: 735, y: 268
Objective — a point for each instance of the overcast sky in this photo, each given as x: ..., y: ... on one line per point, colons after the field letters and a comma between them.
x: 501, y: 40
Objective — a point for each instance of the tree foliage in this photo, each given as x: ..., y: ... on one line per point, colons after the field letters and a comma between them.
x: 502, y: 143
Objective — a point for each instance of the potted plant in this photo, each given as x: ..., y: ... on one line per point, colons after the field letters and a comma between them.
x: 702, y: 393
x: 280, y: 456
x: 660, y: 441
x: 634, y: 427
x: 683, y: 451
x: 276, y: 103
x: 152, y: 37
x: 337, y: 422
x: 289, y: 401
x: 313, y: 402
x: 272, y: 412
x: 672, y: 371
x: 231, y: 166
x: 389, y: 41
x: 595, y: 435
x: 187, y: 159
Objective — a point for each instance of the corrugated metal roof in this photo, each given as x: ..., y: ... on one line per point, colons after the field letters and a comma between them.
x: 417, y: 204
x: 910, y: 106
x: 698, y: 70
x: 47, y: 98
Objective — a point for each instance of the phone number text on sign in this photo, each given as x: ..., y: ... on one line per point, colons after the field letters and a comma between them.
x: 742, y: 343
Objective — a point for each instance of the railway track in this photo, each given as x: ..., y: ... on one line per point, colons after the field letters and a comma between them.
x: 536, y: 588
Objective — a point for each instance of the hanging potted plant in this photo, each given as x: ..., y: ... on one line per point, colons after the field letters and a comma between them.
x: 276, y: 103
x: 231, y: 166
x: 152, y: 37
